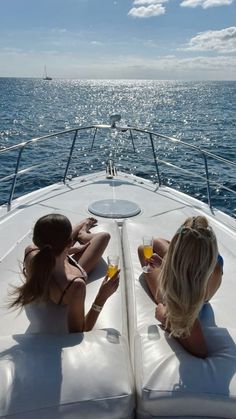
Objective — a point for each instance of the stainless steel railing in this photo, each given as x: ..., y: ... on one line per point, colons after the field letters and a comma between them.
x: 153, y: 136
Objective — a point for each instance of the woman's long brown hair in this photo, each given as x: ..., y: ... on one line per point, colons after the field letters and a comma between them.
x: 52, y: 234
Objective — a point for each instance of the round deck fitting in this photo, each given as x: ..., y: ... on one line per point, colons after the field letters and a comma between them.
x: 114, y: 208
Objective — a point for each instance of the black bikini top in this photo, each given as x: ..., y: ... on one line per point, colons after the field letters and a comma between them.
x: 72, y: 262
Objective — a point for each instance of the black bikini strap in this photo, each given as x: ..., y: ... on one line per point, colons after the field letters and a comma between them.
x: 31, y: 250
x: 66, y: 289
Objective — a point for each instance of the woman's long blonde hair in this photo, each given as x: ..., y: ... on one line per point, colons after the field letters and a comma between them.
x: 190, y: 260
x: 52, y: 234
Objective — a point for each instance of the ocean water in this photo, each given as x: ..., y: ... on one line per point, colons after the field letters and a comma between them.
x: 199, y: 113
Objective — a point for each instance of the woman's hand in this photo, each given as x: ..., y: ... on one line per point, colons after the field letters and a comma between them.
x: 160, y: 313
x: 78, y: 250
x: 155, y: 261
x: 85, y: 225
x: 107, y: 288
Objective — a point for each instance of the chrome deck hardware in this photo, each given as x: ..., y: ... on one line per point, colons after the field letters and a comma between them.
x: 113, y: 119
x: 110, y: 169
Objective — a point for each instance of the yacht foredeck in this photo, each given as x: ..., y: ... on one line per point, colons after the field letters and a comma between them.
x: 164, y: 364
x: 75, y: 197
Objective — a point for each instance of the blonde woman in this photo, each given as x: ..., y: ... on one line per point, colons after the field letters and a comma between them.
x: 187, y: 271
x: 54, y: 290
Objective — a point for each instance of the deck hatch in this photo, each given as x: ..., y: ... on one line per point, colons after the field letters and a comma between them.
x: 114, y: 208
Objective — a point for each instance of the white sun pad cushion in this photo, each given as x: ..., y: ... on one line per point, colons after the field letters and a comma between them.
x: 65, y: 376
x: 169, y: 381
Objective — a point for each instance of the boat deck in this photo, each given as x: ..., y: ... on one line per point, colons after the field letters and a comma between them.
x: 73, y: 200
x: 165, y: 364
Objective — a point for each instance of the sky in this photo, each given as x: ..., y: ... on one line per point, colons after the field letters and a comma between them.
x: 119, y: 39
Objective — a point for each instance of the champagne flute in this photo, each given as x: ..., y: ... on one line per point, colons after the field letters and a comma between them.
x: 113, y: 262
x: 147, y: 251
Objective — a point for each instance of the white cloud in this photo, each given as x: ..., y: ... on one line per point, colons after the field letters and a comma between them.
x: 205, y: 4
x: 148, y: 11
x: 223, y: 41
x: 149, y: 8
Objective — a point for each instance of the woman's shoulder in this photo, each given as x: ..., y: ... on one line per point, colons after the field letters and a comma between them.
x: 74, y: 291
x: 77, y: 290
x: 30, y: 248
x: 30, y: 252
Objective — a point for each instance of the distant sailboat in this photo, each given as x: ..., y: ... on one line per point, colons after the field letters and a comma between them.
x: 46, y: 77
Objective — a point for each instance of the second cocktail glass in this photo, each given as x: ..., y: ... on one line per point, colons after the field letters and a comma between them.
x: 147, y: 251
x: 113, y: 263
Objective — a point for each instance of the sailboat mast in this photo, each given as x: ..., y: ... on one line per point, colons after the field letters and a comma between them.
x: 46, y: 77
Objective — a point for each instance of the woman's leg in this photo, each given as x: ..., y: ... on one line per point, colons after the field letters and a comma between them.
x: 97, y: 244
x: 94, y: 251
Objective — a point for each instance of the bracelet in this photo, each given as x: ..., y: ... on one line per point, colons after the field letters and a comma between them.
x: 97, y: 308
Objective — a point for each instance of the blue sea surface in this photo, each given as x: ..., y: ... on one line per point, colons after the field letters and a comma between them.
x: 199, y: 113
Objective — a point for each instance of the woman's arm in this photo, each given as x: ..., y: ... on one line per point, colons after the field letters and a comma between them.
x: 77, y: 321
x: 214, y: 281
x: 152, y: 282
x: 108, y: 287
x: 160, y: 248
x: 152, y: 278
x: 76, y: 318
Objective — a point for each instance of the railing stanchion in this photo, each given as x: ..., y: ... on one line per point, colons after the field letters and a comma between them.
x: 155, y: 160
x: 70, y: 155
x: 132, y: 139
x: 14, y: 180
x: 204, y: 153
x: 94, y: 135
x: 207, y: 182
